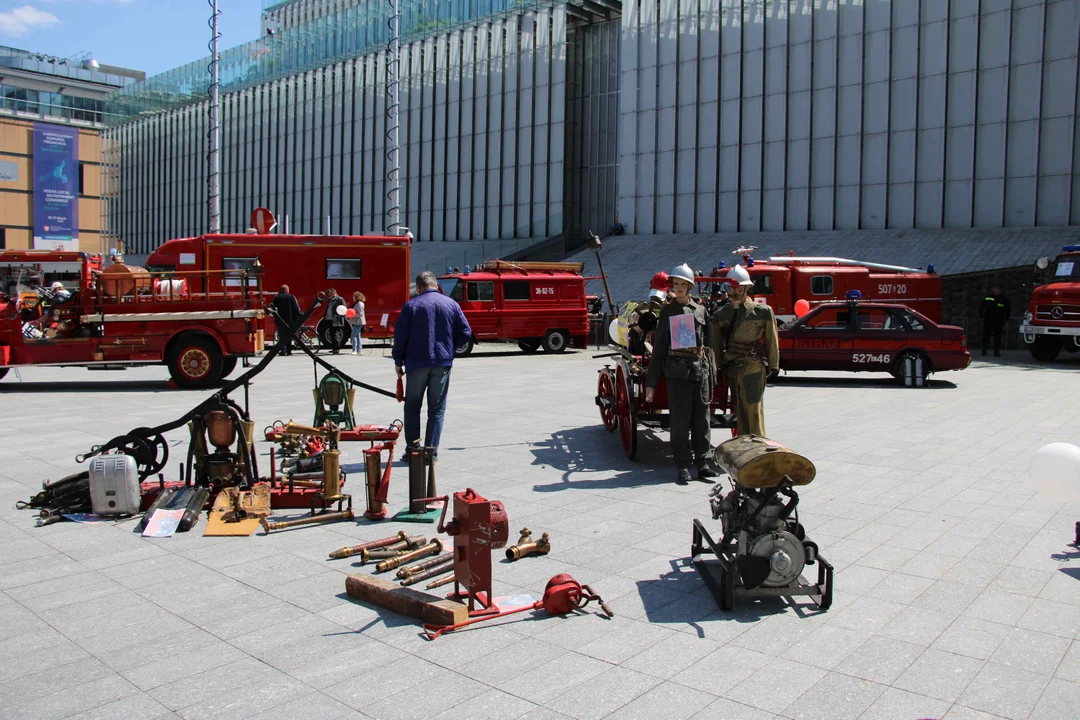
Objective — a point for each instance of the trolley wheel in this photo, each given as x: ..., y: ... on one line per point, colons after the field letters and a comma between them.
x: 195, y: 362
x: 626, y: 412
x: 605, y: 387
x: 149, y: 450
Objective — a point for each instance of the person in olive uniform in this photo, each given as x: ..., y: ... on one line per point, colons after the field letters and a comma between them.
x: 747, y: 349
x: 994, y: 311
x: 681, y: 353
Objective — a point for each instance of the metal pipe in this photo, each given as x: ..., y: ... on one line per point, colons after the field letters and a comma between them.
x: 427, y: 574
x: 441, y: 581
x: 842, y: 261
x: 371, y: 545
x: 424, y: 565
x: 367, y: 556
x: 311, y: 520
x: 432, y: 548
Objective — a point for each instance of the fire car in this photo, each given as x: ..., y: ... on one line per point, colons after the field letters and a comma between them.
x: 871, y: 337
x: 1052, y: 320
x: 535, y: 304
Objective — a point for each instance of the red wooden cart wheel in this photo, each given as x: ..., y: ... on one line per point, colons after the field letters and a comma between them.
x: 605, y: 388
x: 625, y: 410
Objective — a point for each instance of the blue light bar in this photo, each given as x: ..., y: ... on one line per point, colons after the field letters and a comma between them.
x: 853, y: 295
x: 930, y: 269
x: 750, y: 261
x: 1071, y: 248
x: 449, y: 269
x: 722, y: 265
x: 468, y: 269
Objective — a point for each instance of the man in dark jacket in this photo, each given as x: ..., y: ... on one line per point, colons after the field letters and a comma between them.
x: 430, y: 326
x: 336, y: 321
x: 994, y: 311
x: 288, y: 309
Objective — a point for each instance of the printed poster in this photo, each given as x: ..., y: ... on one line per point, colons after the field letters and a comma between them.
x: 683, y: 332
x: 56, y: 187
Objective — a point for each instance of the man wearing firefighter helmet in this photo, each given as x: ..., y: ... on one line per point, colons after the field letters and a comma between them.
x: 681, y: 353
x: 746, y: 348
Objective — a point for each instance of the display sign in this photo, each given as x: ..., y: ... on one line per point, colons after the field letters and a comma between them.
x: 56, y: 187
x: 9, y: 171
x: 683, y: 332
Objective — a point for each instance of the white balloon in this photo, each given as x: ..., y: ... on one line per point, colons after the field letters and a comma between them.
x: 1055, y: 471
x: 613, y: 331
x: 341, y: 310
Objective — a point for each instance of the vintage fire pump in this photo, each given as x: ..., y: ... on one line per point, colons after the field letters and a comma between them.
x: 224, y: 466
x: 478, y: 527
x: 764, y: 548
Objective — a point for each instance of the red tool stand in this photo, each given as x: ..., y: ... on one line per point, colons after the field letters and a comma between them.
x: 478, y: 527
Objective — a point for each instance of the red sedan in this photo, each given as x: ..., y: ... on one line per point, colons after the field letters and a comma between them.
x: 870, y: 337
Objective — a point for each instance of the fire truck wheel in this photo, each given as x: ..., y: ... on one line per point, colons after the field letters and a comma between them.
x: 1045, y: 349
x: 464, y: 348
x: 556, y: 341
x: 195, y: 362
x: 227, y: 366
x: 529, y: 346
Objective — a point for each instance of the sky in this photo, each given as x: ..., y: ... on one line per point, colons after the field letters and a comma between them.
x: 149, y: 35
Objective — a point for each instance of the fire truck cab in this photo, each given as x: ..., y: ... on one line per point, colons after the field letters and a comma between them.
x: 377, y: 266
x: 780, y: 282
x: 535, y: 304
x: 1052, y: 320
x: 116, y: 315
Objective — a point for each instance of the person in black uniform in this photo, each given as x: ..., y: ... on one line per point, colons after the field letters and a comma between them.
x: 681, y: 352
x: 336, y: 321
x: 994, y: 311
x: 288, y: 309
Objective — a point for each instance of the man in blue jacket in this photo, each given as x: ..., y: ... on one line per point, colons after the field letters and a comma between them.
x: 430, y: 326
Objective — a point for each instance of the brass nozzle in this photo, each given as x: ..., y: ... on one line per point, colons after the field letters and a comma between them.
x: 433, y: 548
x: 311, y: 520
x: 441, y: 581
x: 355, y: 549
x: 538, y: 547
x: 424, y: 565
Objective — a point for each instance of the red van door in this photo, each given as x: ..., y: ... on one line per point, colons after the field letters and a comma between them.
x: 480, y: 308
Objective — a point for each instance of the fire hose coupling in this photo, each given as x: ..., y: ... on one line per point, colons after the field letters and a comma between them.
x: 527, y: 546
x: 394, y: 542
x: 433, y: 548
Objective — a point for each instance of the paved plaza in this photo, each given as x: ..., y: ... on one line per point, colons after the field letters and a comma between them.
x: 957, y: 589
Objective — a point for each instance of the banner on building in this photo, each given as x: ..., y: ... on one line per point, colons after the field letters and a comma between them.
x: 56, y: 187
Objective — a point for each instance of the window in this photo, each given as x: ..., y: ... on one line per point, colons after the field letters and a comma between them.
x: 516, y: 290
x: 451, y: 288
x: 821, y: 285
x: 762, y: 285
x: 233, y: 279
x: 3, y: 238
x: 903, y: 321
x: 872, y: 318
x: 81, y: 171
x: 828, y: 319
x: 1067, y: 268
x: 342, y: 269
x: 481, y: 291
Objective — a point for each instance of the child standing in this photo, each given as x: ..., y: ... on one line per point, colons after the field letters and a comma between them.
x: 357, y: 322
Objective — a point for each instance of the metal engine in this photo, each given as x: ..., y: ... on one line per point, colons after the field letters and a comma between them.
x: 772, y: 546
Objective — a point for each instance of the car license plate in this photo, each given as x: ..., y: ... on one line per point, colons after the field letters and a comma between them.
x: 1032, y: 330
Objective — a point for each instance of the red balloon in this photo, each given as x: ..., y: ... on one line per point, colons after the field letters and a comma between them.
x: 350, y: 313
x: 801, y: 307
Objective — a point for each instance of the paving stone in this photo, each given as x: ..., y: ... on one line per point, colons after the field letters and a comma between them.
x: 1059, y: 700
x: 666, y: 700
x: 881, y: 660
x: 775, y: 686
x: 603, y: 694
x: 553, y: 678
x: 1032, y: 651
x: 974, y: 638
x: 835, y: 697
x: 722, y: 670
x: 1051, y: 617
x: 939, y: 674
x: 896, y: 704
x: 314, y: 705
x: 1005, y: 691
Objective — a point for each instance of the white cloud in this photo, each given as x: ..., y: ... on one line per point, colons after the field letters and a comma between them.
x: 18, y: 21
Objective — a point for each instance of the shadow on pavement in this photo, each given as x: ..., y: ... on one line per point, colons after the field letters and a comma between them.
x: 84, y: 386
x: 857, y: 382
x: 579, y: 452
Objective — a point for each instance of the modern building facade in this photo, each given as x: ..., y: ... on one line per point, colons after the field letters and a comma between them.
x: 667, y: 116
x: 52, y: 111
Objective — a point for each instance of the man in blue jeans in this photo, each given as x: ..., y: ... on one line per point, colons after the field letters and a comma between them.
x: 430, y: 326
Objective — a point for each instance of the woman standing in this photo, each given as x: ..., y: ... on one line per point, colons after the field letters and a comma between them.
x: 357, y: 321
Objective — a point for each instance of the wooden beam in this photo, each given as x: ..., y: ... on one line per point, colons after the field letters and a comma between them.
x: 412, y: 603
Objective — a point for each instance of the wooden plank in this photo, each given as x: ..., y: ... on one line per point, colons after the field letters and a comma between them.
x: 422, y: 606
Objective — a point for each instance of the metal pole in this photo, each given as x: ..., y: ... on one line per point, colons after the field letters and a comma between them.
x: 213, y: 190
x: 393, y: 66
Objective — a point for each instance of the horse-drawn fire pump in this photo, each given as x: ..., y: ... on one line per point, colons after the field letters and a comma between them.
x: 620, y: 389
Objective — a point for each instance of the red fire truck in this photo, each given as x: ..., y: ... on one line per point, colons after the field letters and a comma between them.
x: 377, y: 266
x: 1052, y: 320
x: 782, y: 281
x: 114, y: 316
x: 531, y: 303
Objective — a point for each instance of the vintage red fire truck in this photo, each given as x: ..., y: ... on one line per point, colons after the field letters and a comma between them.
x: 1052, y: 320
x: 535, y: 304
x: 114, y: 316
x: 377, y: 266
x: 782, y: 281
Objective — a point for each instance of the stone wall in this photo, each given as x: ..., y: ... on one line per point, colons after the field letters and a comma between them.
x: 962, y: 295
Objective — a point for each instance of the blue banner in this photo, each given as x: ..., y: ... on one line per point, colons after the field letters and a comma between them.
x: 56, y: 187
